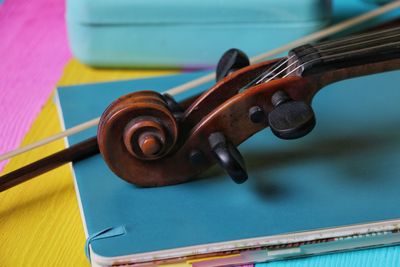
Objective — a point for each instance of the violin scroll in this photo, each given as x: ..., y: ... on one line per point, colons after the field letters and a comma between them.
x: 137, y: 126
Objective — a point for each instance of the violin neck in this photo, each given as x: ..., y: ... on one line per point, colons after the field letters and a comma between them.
x: 349, y: 57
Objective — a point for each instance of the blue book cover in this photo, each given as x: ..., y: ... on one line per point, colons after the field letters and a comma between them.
x: 346, y: 172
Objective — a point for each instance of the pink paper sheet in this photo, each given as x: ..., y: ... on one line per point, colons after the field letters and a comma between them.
x: 33, y: 51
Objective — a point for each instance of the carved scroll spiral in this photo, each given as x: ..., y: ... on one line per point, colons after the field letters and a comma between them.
x: 138, y: 126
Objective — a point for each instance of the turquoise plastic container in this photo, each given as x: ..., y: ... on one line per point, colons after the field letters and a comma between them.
x: 182, y: 33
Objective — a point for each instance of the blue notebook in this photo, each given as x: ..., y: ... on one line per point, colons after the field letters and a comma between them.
x: 339, y: 182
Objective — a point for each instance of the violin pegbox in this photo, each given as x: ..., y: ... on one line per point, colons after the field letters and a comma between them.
x: 149, y: 139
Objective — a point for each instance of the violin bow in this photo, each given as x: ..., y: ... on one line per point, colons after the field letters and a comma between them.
x: 90, y: 147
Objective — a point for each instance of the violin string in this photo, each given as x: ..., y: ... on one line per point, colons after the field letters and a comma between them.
x: 266, y: 73
x: 279, y: 64
x: 273, y: 69
x: 396, y: 44
x: 377, y: 38
x: 336, y: 28
x: 321, y: 58
x: 277, y: 74
x: 263, y: 80
x: 359, y: 43
x: 358, y: 36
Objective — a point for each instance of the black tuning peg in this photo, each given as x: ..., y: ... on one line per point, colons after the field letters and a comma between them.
x: 290, y: 119
x: 228, y: 157
x: 231, y: 60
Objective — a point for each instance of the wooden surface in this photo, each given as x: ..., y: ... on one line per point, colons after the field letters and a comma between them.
x: 40, y: 223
